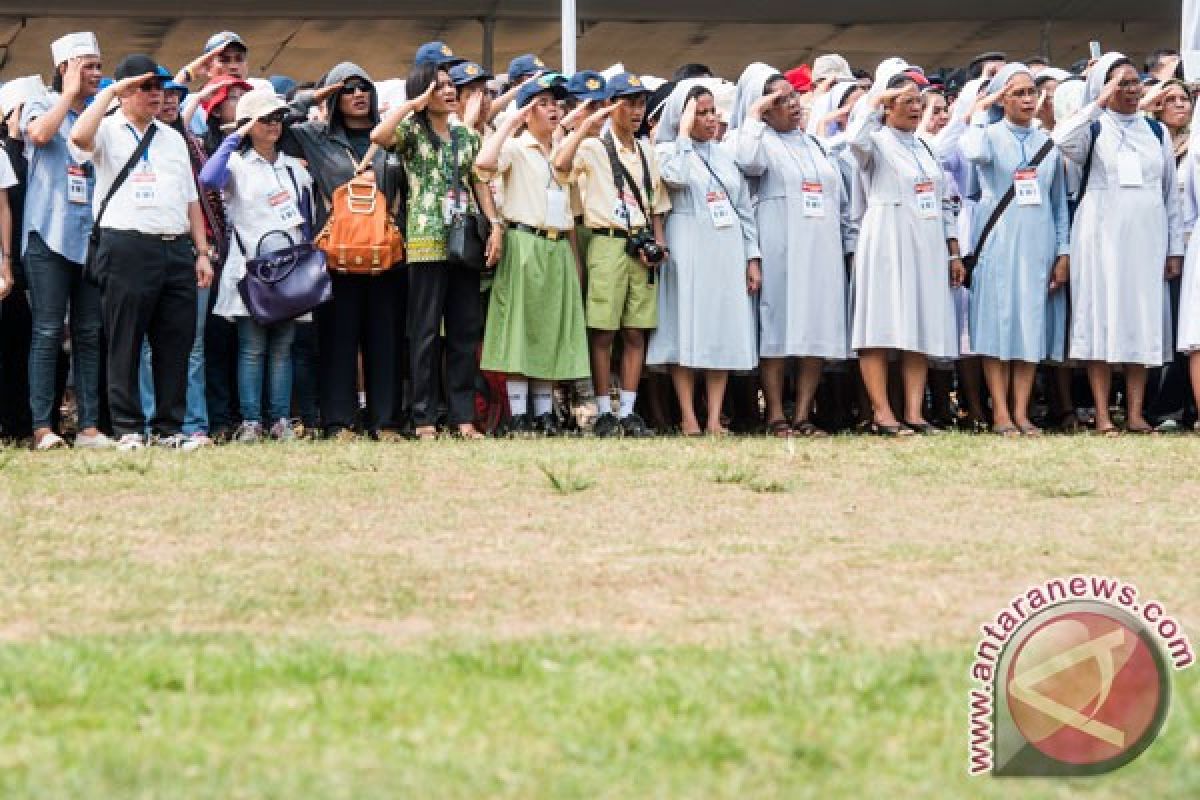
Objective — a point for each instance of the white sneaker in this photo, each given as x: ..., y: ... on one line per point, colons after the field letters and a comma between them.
x: 282, y: 431
x: 97, y: 442
x: 50, y: 441
x: 176, y: 441
x: 201, y: 439
x: 130, y: 441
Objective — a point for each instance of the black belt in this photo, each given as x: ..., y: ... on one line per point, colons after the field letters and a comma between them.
x: 545, y: 233
x: 616, y: 233
x: 579, y: 220
x: 153, y: 237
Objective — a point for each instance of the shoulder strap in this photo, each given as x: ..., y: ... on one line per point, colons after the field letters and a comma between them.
x: 138, y: 152
x: 1157, y: 127
x: 1007, y: 198
x: 620, y: 174
x: 1087, y: 164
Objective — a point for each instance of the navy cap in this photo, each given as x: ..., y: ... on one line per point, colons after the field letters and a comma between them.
x: 438, y: 53
x: 219, y: 41
x: 588, y: 85
x: 468, y: 72
x: 542, y: 83
x: 626, y: 84
x: 134, y: 65
x: 528, y: 64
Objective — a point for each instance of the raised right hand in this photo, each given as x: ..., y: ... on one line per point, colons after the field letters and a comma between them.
x: 128, y: 86
x: 764, y: 103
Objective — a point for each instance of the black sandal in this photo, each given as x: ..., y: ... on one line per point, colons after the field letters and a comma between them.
x: 890, y: 431
x: 780, y: 429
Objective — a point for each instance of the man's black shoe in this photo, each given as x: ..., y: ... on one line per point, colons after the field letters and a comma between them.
x: 547, y: 425
x: 518, y: 426
x: 635, y: 427
x: 607, y: 426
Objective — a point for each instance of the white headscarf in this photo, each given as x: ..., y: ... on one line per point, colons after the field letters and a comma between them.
x: 750, y: 89
x: 1000, y: 80
x: 672, y: 114
x: 1068, y: 98
x: 826, y: 104
x: 1098, y: 76
x: 887, y: 69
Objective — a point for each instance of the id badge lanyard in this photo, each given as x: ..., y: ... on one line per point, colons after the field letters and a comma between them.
x: 719, y: 203
x: 1027, y: 190
x: 1129, y: 163
x: 811, y: 189
x: 144, y: 182
x: 558, y: 214
x: 926, y: 187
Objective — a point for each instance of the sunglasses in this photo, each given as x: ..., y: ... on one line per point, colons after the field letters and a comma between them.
x: 354, y: 86
x: 274, y: 118
x: 152, y: 85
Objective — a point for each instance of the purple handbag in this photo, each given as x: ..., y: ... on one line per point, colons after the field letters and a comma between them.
x: 286, y: 283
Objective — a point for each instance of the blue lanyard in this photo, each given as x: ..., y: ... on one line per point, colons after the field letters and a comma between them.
x: 138, y: 140
x: 1021, y: 140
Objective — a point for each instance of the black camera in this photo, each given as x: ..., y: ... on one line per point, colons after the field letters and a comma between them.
x: 642, y: 243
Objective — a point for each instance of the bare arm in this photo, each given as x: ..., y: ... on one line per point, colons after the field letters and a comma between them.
x: 384, y: 134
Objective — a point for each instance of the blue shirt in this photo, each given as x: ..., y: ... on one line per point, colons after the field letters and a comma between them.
x: 64, y: 226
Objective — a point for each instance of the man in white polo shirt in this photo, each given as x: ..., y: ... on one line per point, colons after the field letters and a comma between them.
x: 152, y: 251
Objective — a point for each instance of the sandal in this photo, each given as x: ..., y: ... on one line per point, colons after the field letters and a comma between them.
x: 468, y: 433
x: 923, y: 428
x: 1139, y: 431
x: 780, y: 429
x: 808, y: 430
x: 891, y: 431
x: 1007, y: 431
x: 1111, y: 432
x: 426, y: 433
x: 1032, y: 431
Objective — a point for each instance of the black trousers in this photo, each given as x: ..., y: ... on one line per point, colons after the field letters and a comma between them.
x: 439, y: 291
x: 149, y: 291
x: 361, y: 316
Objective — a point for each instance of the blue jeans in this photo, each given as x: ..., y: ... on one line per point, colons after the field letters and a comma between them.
x: 269, y: 350
x: 55, y: 283
x: 196, y: 419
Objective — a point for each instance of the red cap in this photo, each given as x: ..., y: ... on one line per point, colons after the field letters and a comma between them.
x: 918, y: 76
x: 223, y: 84
x: 800, y: 78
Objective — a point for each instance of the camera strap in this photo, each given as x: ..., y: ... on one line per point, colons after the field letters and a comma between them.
x: 620, y: 175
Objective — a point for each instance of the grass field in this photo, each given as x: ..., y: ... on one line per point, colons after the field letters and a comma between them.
x: 560, y: 619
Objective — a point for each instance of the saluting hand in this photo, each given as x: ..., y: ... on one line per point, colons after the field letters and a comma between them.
x: 688, y: 119
x: 764, y: 103
x: 126, y: 87
x: 579, y: 112
x: 985, y: 102
x: 1110, y: 90
x: 421, y: 102
x: 73, y: 78
x: 325, y: 92
x: 888, y: 96
x: 595, y: 120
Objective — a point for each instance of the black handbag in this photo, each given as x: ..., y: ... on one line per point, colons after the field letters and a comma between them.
x: 287, y: 282
x: 468, y: 231
x: 91, y: 269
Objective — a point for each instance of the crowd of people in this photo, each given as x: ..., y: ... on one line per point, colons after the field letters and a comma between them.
x: 1002, y: 247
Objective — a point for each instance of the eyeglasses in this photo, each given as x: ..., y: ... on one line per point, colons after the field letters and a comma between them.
x: 274, y: 118
x: 355, y: 86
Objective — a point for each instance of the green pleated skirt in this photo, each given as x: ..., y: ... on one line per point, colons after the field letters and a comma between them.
x: 535, y: 323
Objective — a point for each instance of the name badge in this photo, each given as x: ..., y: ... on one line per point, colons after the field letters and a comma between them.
x: 814, y: 199
x: 720, y: 209
x: 1129, y: 168
x: 927, y: 202
x: 145, y: 189
x: 285, y: 208
x: 77, y: 187
x: 455, y: 202
x: 624, y: 208
x: 1029, y: 191
x: 558, y: 214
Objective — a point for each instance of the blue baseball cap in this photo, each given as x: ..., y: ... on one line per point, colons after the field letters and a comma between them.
x: 626, y: 84
x: 169, y: 84
x: 438, y: 53
x: 588, y: 85
x: 219, y: 41
x: 468, y: 72
x: 542, y: 83
x: 528, y: 64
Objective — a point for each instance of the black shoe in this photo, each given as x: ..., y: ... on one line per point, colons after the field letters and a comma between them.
x: 635, y: 427
x: 547, y: 425
x: 518, y: 426
x: 607, y: 426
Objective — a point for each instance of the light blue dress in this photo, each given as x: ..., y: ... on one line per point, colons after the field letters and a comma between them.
x: 1010, y: 302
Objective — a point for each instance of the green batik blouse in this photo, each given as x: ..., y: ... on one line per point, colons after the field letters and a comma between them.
x: 430, y: 173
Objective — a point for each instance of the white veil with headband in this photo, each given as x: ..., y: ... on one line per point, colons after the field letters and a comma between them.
x: 1098, y: 75
x: 826, y: 104
x: 749, y: 91
x: 887, y: 69
x: 672, y: 114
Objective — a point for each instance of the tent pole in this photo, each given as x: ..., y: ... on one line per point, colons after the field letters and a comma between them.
x: 489, y: 42
x: 569, y: 28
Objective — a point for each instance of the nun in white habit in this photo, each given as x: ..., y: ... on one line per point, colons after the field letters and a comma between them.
x: 907, y: 261
x: 1126, y: 241
x: 1189, y: 290
x: 803, y: 218
x: 706, y: 288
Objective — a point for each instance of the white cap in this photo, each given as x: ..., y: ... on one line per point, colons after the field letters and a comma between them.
x: 831, y: 66
x: 258, y: 103
x: 19, y: 91
x: 651, y: 82
x: 74, y: 45
x: 260, y: 83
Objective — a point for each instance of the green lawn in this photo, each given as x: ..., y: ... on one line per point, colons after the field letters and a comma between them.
x: 561, y: 619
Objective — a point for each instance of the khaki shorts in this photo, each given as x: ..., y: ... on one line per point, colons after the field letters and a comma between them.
x: 619, y: 294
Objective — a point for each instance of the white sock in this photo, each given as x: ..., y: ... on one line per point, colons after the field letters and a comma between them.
x: 518, y: 396
x: 627, y: 401
x: 603, y: 403
x: 543, y: 397
x: 362, y: 399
